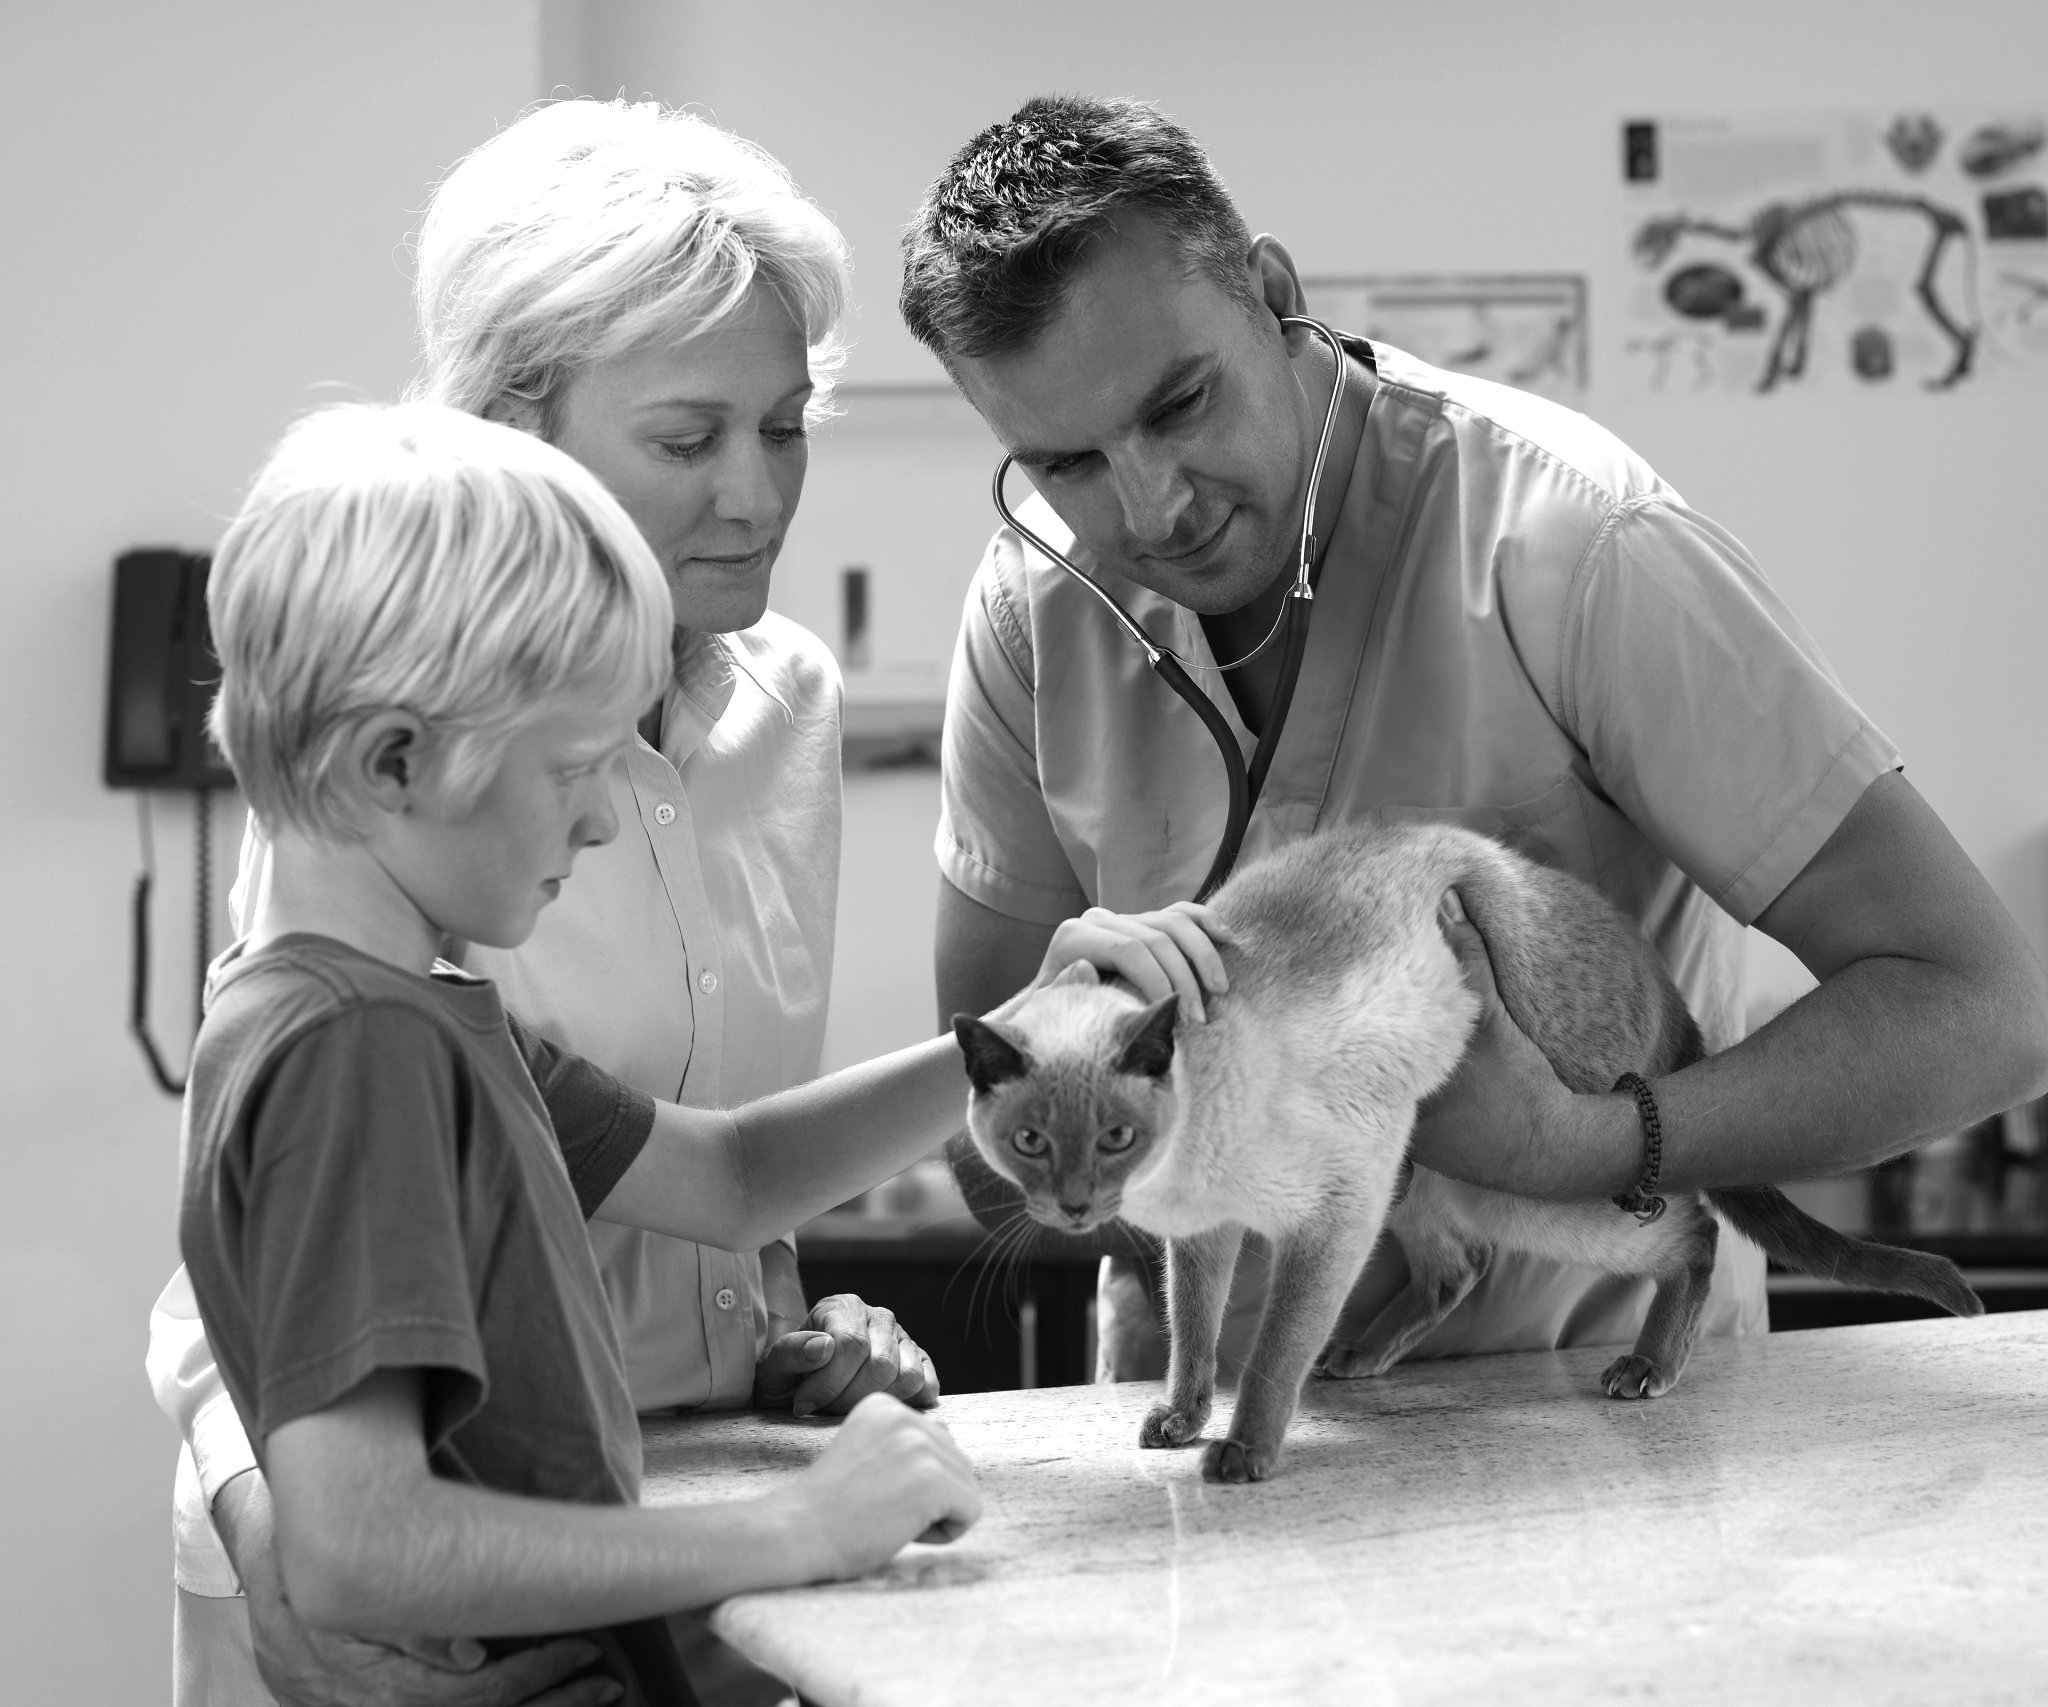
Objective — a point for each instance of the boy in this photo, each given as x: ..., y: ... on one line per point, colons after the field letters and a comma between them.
x: 436, y: 635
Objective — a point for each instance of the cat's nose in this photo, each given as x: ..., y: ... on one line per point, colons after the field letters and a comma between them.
x: 1074, y: 1211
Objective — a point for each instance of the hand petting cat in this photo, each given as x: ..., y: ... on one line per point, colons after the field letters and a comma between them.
x: 1168, y: 953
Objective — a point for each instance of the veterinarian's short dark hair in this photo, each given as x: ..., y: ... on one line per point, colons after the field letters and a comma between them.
x: 1000, y: 235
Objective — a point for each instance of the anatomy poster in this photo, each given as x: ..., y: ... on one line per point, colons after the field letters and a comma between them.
x: 1778, y: 255
x: 1523, y: 329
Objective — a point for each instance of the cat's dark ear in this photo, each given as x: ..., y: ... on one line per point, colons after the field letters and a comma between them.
x: 991, y: 1057
x: 1149, y: 1048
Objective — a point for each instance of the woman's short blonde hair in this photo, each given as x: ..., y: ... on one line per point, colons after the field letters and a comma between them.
x: 413, y: 557
x: 589, y: 228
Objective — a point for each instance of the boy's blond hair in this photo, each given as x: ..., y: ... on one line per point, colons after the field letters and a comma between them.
x: 413, y: 557
x: 590, y: 228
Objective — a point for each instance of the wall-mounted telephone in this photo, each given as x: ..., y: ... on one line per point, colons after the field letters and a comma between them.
x: 160, y: 683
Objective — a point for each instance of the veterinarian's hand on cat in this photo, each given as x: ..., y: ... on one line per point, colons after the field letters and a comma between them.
x: 841, y: 1352
x: 1504, y: 1103
x: 1168, y: 953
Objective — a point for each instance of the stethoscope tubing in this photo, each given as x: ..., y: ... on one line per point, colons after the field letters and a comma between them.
x: 1245, y: 783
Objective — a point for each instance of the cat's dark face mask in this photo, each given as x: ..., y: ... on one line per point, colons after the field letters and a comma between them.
x: 1066, y: 1110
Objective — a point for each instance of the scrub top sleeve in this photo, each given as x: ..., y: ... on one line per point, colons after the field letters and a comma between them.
x: 996, y: 843
x: 1707, y: 712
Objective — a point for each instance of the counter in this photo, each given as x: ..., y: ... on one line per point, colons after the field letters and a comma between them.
x: 1848, y: 1515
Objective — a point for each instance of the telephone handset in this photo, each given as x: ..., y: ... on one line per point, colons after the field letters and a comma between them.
x: 161, y: 681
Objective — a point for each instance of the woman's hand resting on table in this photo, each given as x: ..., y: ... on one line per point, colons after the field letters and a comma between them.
x: 843, y: 1350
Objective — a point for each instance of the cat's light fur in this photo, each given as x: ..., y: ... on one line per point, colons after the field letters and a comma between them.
x: 1290, y: 1111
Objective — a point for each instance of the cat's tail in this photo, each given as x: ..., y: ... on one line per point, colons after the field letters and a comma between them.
x: 1766, y: 1216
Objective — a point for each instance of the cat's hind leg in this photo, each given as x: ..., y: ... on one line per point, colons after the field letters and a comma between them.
x: 1313, y: 1268
x: 1198, y: 1271
x: 1673, y: 1323
x: 1441, y: 1274
x: 1446, y: 1258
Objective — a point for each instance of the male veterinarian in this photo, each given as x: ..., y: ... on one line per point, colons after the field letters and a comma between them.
x: 1517, y: 626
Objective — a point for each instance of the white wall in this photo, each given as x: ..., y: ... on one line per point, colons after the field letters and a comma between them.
x: 205, y: 207
x: 1469, y: 135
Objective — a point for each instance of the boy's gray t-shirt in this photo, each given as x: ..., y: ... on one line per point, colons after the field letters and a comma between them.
x: 381, y: 1172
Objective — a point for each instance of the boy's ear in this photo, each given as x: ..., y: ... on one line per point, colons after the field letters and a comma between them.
x: 1149, y: 1048
x: 520, y: 412
x: 385, y: 761
x: 1078, y: 972
x: 991, y: 1057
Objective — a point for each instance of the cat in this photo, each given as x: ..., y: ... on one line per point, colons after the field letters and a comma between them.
x: 1289, y: 1112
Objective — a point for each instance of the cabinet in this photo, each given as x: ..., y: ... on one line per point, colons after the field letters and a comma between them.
x: 989, y: 1320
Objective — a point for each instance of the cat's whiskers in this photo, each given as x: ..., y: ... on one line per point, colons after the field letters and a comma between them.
x: 1003, y: 1251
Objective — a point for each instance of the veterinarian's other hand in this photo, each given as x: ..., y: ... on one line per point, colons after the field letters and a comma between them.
x: 1498, y: 1120
x: 843, y: 1351
x: 1168, y: 953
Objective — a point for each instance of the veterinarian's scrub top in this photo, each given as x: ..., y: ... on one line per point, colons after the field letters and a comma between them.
x: 691, y: 957
x: 1518, y: 628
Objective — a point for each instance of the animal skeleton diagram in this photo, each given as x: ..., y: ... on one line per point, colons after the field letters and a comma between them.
x: 1806, y: 249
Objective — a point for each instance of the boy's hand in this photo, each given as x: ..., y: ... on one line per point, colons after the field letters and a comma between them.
x: 842, y: 1351
x: 890, y: 1476
x: 315, y: 1668
x: 1168, y: 953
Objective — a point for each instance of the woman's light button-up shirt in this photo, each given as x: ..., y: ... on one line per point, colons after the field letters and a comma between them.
x: 692, y: 957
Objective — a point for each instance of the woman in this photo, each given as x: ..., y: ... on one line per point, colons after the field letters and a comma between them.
x: 653, y: 296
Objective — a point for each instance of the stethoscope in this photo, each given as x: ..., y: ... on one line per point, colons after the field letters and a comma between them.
x: 1290, y: 626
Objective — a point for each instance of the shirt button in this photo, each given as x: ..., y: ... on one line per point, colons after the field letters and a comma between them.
x: 708, y: 982
x: 726, y: 1298
x: 664, y: 813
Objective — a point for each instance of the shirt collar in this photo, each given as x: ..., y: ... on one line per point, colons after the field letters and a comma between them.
x: 699, y: 690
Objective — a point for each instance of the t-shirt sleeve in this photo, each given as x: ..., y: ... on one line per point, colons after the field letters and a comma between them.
x: 1706, y: 711
x: 600, y: 1123
x: 350, y: 1240
x: 996, y: 843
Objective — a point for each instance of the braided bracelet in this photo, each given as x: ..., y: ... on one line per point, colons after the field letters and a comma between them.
x: 1642, y: 1200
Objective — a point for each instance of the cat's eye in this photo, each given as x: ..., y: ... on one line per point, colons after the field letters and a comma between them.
x: 1028, y: 1142
x: 1117, y: 1138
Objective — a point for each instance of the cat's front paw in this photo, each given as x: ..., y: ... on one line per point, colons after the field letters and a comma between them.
x: 1637, y: 1377
x: 1173, y: 1425
x: 1238, y: 1461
